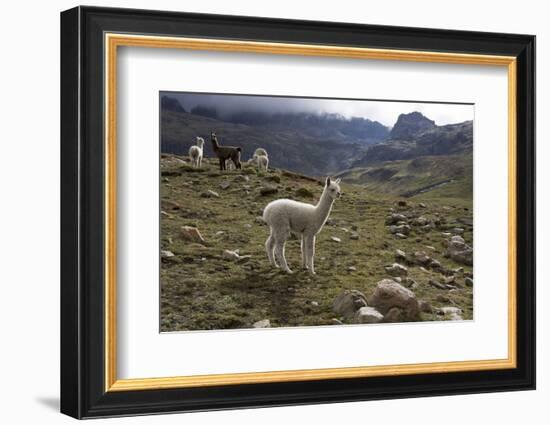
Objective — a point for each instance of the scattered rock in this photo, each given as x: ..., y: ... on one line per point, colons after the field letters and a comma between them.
x: 458, y: 230
x: 400, y: 255
x: 403, y: 229
x: 454, y: 313
x: 262, y: 324
x: 244, y: 258
x: 421, y: 221
x: 421, y: 258
x: 402, y: 203
x: 166, y: 254
x: 442, y: 299
x: 248, y: 226
x: 389, y: 294
x: 352, y: 269
x: 191, y: 234
x: 459, y: 251
x: 230, y: 255
x: 354, y: 236
x: 434, y: 264
x: 466, y: 220
x: 210, y: 194
x: 225, y: 184
x: 410, y: 283
x: 422, y: 205
x: 314, y: 304
x: 335, y: 239
x: 396, y: 269
x: 368, y: 315
x: 400, y: 236
x: 304, y: 192
x: 448, y: 280
x: 395, y: 218
x: 335, y: 321
x: 425, y: 307
x: 241, y: 178
x: 436, y: 284
x: 348, y: 302
x: 268, y: 190
x: 469, y: 282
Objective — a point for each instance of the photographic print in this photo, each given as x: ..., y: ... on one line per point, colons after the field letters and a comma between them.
x: 289, y: 211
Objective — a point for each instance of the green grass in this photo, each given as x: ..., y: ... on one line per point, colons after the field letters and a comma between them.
x: 200, y: 290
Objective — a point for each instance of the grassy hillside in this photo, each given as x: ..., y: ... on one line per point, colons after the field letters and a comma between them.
x: 200, y: 289
x: 427, y: 177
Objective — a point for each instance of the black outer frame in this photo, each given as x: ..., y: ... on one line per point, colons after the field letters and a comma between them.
x: 82, y: 219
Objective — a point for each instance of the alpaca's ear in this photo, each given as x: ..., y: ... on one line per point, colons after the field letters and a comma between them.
x: 328, y: 181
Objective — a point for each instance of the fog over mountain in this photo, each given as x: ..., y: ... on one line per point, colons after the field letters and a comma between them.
x: 385, y: 112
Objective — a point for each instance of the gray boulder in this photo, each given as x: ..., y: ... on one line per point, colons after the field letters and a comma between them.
x: 459, y: 251
x: 395, y: 218
x: 404, y: 229
x: 348, y: 302
x: 396, y: 269
x: 389, y: 294
x: 262, y: 324
x: 368, y: 315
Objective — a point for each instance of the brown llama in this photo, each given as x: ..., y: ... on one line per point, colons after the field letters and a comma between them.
x: 226, y: 152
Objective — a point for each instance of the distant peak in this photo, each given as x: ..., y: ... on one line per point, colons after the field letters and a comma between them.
x: 409, y: 125
x: 171, y: 104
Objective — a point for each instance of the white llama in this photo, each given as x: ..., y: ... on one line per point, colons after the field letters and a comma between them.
x: 195, y: 153
x: 260, y: 152
x: 229, y: 164
x: 260, y: 158
x: 284, y: 216
x: 262, y: 161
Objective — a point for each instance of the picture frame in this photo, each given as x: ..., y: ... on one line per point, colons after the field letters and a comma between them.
x: 90, y: 40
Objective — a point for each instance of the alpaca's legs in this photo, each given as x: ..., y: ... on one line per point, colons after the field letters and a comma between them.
x: 280, y: 254
x: 280, y: 235
x: 222, y: 164
x: 310, y: 250
x: 270, y: 247
x: 199, y: 162
x: 303, y: 249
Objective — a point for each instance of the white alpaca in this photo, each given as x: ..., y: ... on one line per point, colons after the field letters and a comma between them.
x: 284, y: 216
x: 260, y: 152
x: 262, y: 162
x: 195, y: 153
x: 260, y: 158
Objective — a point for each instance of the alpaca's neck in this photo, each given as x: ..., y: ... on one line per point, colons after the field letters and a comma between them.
x: 215, y: 144
x: 323, y: 208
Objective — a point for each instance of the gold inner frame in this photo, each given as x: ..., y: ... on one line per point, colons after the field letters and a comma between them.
x: 113, y: 41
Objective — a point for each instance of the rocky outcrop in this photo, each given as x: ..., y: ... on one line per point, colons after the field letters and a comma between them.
x: 408, y: 126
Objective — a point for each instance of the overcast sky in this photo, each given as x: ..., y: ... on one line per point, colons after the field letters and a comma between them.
x: 382, y: 111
